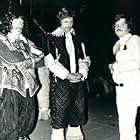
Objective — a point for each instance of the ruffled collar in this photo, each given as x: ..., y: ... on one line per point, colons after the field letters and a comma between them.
x: 59, y: 32
x: 14, y: 38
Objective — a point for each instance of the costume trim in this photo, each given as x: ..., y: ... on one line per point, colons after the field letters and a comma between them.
x: 59, y: 32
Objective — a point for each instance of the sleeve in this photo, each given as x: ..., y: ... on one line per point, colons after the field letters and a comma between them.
x: 29, y: 63
x: 55, y: 67
x: 116, y: 47
x: 36, y: 55
x: 33, y: 49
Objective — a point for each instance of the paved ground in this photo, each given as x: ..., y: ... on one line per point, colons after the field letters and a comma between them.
x: 102, y: 124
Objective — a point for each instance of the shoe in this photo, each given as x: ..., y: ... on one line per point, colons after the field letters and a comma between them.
x: 80, y: 137
x: 24, y: 138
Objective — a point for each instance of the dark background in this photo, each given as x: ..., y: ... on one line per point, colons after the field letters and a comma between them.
x: 93, y: 22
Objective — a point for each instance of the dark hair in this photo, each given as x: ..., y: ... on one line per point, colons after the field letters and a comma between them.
x: 6, y: 23
x: 64, y: 13
x: 127, y: 19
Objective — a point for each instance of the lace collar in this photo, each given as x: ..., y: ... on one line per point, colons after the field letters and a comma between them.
x: 13, y: 39
x: 59, y: 32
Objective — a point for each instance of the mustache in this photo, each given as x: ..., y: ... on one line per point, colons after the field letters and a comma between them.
x: 118, y: 30
x: 19, y: 28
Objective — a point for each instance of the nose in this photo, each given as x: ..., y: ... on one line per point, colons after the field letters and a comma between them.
x: 70, y: 24
x: 20, y: 24
x: 117, y: 26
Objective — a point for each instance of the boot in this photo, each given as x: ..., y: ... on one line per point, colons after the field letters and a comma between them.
x: 24, y: 138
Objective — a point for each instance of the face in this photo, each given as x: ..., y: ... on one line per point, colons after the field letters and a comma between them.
x: 67, y: 24
x: 17, y: 25
x: 121, y: 27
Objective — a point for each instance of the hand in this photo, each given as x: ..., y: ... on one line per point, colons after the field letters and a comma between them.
x: 71, y: 76
x: 88, y: 60
x: 74, y: 77
x: 78, y: 76
x: 111, y: 67
x: 117, y: 78
x: 38, y: 58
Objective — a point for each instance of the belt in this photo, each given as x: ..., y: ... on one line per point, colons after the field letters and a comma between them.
x: 115, y: 84
x: 119, y: 85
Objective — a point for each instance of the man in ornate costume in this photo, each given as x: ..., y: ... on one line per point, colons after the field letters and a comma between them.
x: 126, y: 74
x: 67, y: 61
x: 17, y: 80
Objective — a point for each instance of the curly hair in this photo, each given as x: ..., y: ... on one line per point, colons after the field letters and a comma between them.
x: 6, y: 23
x: 64, y: 13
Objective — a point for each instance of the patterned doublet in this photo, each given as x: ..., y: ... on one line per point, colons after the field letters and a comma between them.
x: 13, y: 67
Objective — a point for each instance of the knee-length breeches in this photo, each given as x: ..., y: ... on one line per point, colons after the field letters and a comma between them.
x: 68, y: 104
x: 17, y: 115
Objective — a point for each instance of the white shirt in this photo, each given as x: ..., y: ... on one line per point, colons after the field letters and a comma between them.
x: 129, y: 58
x: 71, y: 51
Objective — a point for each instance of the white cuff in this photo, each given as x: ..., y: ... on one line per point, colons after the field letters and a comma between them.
x: 55, y: 67
x: 83, y: 68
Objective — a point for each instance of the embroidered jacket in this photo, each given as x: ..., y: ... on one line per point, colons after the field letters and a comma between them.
x: 15, y: 62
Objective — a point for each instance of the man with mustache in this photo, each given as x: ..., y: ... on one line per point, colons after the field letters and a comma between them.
x: 18, y: 84
x: 126, y: 74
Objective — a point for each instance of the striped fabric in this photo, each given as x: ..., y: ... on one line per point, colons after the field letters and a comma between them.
x: 67, y: 103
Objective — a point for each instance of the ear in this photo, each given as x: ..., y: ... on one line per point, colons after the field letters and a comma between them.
x: 10, y: 27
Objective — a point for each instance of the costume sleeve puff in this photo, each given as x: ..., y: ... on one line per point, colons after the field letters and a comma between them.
x: 35, y: 55
x: 51, y: 61
x: 55, y: 67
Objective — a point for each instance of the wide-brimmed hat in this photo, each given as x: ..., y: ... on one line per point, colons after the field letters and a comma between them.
x: 16, y: 8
